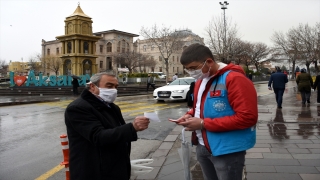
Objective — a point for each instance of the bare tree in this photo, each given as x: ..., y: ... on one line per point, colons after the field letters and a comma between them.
x: 35, y: 63
x: 3, y: 67
x: 131, y: 60
x: 285, y: 45
x: 239, y: 52
x: 215, y: 32
x: 52, y: 62
x: 166, y: 40
x: 259, y: 51
x: 308, y: 39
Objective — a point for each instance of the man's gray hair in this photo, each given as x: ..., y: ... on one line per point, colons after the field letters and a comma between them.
x: 95, y: 79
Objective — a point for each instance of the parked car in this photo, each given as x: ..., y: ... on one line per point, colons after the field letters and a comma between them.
x: 176, y: 90
x: 161, y: 75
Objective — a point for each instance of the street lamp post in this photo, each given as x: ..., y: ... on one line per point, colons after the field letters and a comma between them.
x: 224, y: 7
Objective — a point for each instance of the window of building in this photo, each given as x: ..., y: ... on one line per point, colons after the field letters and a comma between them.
x: 48, y: 51
x: 173, y: 58
x: 69, y: 47
x: 172, y: 69
x: 109, y: 61
x: 109, y: 47
x: 152, y: 47
x: 160, y: 58
x: 144, y: 48
x: 57, y: 50
x: 101, y: 48
x: 160, y: 69
x: 177, y: 69
x: 101, y: 64
x: 177, y: 58
x: 86, y: 47
x: 118, y: 46
x: 123, y: 45
x: 128, y: 48
x: 152, y: 69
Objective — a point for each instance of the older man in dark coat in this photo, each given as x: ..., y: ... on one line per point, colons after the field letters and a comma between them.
x: 99, y: 138
x: 278, y: 81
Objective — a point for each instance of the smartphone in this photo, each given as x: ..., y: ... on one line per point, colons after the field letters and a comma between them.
x: 173, y: 120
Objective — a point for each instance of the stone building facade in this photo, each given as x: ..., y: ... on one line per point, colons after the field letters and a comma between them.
x: 146, y: 47
x: 83, y: 52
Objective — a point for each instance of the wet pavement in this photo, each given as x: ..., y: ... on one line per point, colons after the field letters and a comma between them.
x: 288, y: 143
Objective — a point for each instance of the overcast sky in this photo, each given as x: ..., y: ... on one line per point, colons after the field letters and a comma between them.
x: 23, y: 24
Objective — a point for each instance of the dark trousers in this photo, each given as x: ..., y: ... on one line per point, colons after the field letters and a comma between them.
x: 75, y: 90
x: 150, y: 84
x: 278, y: 93
x: 318, y: 95
x: 305, y: 96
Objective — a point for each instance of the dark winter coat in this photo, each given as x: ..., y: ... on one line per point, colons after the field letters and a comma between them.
x: 75, y: 83
x: 316, y: 84
x: 99, y: 140
x: 278, y: 80
x: 305, y: 82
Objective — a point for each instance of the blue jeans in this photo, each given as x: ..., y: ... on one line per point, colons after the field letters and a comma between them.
x: 279, y: 93
x: 224, y: 167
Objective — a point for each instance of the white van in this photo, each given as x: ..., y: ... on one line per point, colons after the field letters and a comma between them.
x: 161, y: 75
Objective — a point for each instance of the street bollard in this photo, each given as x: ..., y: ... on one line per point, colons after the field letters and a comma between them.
x: 65, y: 151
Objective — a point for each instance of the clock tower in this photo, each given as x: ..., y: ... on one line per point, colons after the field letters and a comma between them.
x: 78, y: 45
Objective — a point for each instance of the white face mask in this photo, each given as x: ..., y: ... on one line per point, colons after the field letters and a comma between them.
x: 198, y: 74
x: 108, y: 95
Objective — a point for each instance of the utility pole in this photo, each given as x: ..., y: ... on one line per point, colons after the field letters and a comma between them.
x: 224, y: 7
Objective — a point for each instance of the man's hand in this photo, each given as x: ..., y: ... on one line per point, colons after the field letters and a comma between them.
x: 270, y: 88
x: 192, y: 124
x: 181, y: 119
x: 140, y: 123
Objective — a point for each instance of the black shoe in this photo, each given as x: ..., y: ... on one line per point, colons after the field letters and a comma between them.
x: 279, y: 107
x: 308, y: 101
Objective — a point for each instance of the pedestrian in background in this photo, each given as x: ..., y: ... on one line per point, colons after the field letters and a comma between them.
x: 190, y: 95
x: 75, y: 85
x: 150, y: 82
x: 278, y: 81
x: 223, y: 115
x: 99, y: 138
x: 316, y: 85
x: 175, y: 76
x: 305, y: 83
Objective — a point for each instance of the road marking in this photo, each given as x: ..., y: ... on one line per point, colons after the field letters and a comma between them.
x: 50, y: 173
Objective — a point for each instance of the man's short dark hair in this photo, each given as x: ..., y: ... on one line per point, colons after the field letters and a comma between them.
x: 195, y: 52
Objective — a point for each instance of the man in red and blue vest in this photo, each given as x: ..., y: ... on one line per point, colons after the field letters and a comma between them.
x: 223, y: 116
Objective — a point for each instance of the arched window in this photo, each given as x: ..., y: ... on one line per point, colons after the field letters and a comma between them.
x: 109, y: 47
x: 128, y: 48
x: 123, y: 45
x: 118, y: 46
x: 86, y: 47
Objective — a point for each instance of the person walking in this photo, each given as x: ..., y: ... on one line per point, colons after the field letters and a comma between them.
x: 150, y: 82
x: 75, y: 85
x: 305, y: 83
x: 316, y: 85
x: 190, y: 95
x: 278, y: 81
x: 175, y: 76
x: 223, y: 116
x: 99, y: 138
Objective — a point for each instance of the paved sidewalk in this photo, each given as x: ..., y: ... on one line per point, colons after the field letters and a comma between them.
x: 287, y: 148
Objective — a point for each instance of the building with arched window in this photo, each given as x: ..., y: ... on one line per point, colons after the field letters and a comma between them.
x: 80, y: 51
x: 151, y: 50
